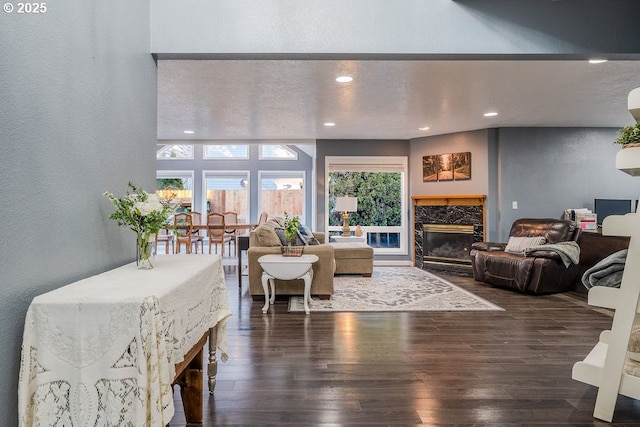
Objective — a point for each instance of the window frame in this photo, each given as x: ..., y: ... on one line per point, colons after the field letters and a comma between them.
x: 180, y: 174
x: 222, y: 173
x: 283, y: 173
x: 391, y: 164
x: 205, y: 157
x: 193, y: 150
x: 261, y: 156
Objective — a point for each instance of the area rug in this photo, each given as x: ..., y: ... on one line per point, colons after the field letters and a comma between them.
x: 395, y: 289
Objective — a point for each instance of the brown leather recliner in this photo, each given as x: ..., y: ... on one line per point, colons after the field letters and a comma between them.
x: 540, y: 272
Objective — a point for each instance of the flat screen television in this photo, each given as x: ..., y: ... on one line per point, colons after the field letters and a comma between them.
x: 605, y: 207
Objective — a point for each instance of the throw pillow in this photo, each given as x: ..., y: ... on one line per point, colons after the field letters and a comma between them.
x: 517, y: 245
x: 265, y: 234
x: 283, y: 240
x: 306, y: 235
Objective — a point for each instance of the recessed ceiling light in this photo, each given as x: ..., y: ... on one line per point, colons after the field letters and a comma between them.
x: 329, y: 124
x: 189, y: 132
x: 597, y: 61
x: 344, y: 79
x: 424, y: 128
x: 490, y: 114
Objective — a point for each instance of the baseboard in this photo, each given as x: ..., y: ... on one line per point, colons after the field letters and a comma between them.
x: 391, y: 263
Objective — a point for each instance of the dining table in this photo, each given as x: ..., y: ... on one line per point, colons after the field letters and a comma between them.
x: 107, y: 350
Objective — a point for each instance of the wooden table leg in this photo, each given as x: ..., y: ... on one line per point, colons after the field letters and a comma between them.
x: 189, y: 378
x: 191, y: 390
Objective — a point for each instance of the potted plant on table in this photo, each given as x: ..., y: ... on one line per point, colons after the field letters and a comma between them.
x: 291, y: 225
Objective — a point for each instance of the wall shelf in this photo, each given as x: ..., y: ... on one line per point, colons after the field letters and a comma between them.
x: 603, y: 367
x: 628, y: 159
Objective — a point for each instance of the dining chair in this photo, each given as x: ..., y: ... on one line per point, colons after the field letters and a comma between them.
x: 231, y: 218
x: 167, y: 238
x: 185, y: 232
x: 216, y: 231
x: 197, y: 217
x: 263, y: 218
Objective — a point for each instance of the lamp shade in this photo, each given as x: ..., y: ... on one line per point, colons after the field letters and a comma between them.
x: 346, y: 204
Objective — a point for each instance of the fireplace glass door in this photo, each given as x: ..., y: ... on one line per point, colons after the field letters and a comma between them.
x: 447, y: 243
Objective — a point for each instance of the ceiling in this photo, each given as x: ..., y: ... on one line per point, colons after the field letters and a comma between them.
x: 292, y: 99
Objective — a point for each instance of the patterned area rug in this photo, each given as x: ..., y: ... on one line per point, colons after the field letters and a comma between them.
x: 396, y: 289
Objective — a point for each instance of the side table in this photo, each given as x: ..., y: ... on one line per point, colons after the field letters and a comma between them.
x: 286, y: 268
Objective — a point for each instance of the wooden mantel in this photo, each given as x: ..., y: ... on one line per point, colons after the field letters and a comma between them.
x: 450, y: 200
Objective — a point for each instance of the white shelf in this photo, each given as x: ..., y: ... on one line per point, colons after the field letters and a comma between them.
x: 628, y: 160
x: 603, y: 367
x: 590, y: 371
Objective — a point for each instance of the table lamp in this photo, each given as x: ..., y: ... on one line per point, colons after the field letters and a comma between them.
x: 346, y: 205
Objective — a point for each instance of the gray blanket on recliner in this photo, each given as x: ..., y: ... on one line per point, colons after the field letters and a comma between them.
x: 607, y: 272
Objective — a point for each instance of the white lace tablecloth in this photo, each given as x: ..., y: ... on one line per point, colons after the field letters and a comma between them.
x: 102, y: 351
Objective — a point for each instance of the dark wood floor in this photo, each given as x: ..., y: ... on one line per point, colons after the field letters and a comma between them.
x: 510, y: 368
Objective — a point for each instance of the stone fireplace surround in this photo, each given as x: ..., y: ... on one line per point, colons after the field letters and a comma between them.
x: 447, y: 209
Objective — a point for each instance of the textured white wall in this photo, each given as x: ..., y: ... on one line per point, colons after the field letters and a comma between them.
x: 77, y: 117
x: 375, y: 27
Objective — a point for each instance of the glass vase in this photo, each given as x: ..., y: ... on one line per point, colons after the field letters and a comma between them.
x: 144, y: 253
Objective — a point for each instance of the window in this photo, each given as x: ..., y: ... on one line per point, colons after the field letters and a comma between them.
x: 176, y: 185
x: 280, y: 192
x: 227, y: 191
x: 226, y: 152
x: 277, y: 152
x: 171, y: 151
x: 379, y: 184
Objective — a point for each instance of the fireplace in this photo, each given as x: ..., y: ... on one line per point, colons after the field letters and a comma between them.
x: 459, y: 220
x: 447, y: 246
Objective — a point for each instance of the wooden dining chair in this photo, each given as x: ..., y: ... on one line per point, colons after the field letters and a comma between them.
x: 216, y: 231
x: 196, y: 217
x: 185, y: 233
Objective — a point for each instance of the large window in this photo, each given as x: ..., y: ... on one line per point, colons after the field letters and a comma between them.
x: 227, y: 191
x: 177, y: 185
x: 280, y: 192
x: 379, y: 184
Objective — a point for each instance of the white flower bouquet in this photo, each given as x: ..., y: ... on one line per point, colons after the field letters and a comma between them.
x: 143, y: 213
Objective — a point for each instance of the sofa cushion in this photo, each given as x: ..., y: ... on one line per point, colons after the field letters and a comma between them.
x: 305, y: 234
x: 517, y: 245
x: 266, y: 234
x: 352, y: 250
x: 553, y: 230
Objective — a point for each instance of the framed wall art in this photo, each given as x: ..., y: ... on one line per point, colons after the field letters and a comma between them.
x: 446, y: 167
